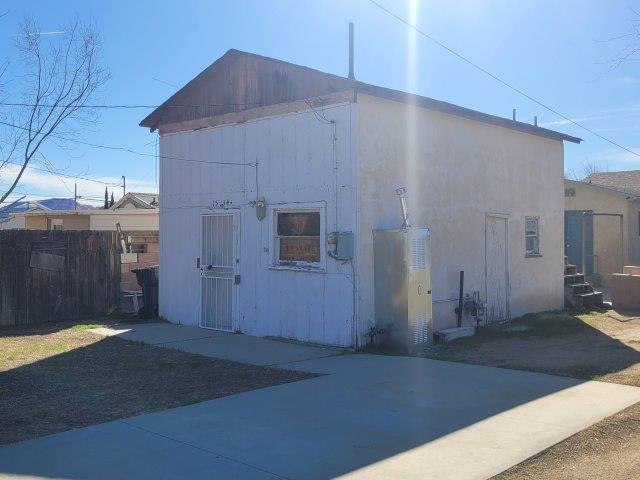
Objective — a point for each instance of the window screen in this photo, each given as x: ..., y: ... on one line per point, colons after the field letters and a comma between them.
x: 531, y: 235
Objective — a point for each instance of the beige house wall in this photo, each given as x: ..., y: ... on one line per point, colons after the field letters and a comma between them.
x: 98, y: 221
x: 132, y: 222
x: 634, y: 232
x: 74, y: 222
x: 457, y: 171
x: 35, y: 222
x: 606, y: 230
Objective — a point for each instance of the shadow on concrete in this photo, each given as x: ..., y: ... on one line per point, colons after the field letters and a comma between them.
x: 370, y: 416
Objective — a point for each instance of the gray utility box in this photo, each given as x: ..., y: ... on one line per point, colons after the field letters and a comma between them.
x: 402, y: 278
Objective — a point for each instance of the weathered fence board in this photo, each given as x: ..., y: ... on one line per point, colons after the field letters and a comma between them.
x: 48, y: 276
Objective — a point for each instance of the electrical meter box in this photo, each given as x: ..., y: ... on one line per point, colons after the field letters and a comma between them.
x: 402, y: 279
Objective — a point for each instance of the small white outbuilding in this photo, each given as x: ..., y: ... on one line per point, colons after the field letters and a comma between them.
x: 264, y: 165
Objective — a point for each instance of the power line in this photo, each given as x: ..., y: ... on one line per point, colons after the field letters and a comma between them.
x: 500, y: 80
x: 136, y: 106
x: 134, y: 152
x: 67, y: 175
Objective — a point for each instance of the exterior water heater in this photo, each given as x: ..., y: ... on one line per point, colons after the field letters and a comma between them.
x: 402, y: 278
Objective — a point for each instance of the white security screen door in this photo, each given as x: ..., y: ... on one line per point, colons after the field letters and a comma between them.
x: 218, y: 271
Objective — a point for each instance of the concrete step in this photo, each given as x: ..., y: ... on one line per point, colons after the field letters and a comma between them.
x: 577, y: 288
x: 448, y: 334
x: 573, y: 278
x: 589, y: 300
x: 570, y: 269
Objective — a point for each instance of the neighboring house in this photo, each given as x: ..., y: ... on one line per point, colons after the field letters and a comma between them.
x: 606, y: 246
x: 137, y: 200
x: 7, y: 220
x: 134, y: 212
x: 261, y: 160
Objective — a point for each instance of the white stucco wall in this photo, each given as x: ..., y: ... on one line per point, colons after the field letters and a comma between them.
x: 458, y: 171
x: 295, y: 155
x: 13, y: 223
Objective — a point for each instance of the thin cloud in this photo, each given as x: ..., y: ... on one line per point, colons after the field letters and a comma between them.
x: 629, y: 80
x: 563, y: 121
x: 35, y: 184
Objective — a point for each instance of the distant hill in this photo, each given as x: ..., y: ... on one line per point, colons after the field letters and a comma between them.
x: 47, y: 204
x: 62, y: 204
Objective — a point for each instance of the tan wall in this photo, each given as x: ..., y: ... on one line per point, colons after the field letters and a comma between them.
x: 634, y: 232
x: 75, y: 222
x: 35, y: 222
x: 459, y: 171
x: 133, y: 222
x: 606, y: 230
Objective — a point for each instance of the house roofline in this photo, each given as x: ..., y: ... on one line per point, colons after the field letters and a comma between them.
x: 56, y: 213
x: 615, y: 191
x: 152, y: 122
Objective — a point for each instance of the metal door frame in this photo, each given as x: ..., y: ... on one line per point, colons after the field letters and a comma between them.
x: 506, y: 218
x: 235, y: 319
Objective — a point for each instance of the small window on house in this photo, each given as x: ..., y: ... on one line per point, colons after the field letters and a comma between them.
x: 531, y: 237
x: 55, y: 224
x: 298, y: 238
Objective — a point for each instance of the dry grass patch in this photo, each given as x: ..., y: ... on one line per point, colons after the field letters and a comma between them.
x: 57, y: 377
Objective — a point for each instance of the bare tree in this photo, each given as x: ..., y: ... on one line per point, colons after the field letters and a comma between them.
x: 630, y: 51
x: 587, y: 168
x: 61, y: 80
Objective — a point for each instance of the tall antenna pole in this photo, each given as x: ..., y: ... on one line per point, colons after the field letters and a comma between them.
x: 351, y: 74
x: 75, y: 196
x: 124, y: 185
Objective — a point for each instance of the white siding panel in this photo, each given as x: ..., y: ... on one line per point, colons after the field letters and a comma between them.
x: 295, y: 158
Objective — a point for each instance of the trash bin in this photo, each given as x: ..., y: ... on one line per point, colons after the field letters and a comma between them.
x: 147, y: 278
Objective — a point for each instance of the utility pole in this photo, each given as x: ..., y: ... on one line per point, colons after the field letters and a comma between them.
x: 75, y: 196
x: 124, y: 185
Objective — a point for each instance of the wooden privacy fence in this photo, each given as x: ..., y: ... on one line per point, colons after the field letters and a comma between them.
x: 48, y: 276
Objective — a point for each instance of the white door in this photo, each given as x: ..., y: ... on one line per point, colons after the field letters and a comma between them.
x: 219, y: 264
x: 497, y: 268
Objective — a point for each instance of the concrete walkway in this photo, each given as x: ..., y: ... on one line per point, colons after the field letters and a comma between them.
x: 368, y: 417
x: 212, y: 343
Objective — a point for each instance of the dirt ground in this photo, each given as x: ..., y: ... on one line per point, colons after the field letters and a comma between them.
x: 603, y: 347
x: 56, y: 377
x: 591, y: 346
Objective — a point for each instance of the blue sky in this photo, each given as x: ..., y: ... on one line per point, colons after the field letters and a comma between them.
x: 558, y: 52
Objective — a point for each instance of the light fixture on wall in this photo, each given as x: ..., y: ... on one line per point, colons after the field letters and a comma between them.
x: 261, y: 208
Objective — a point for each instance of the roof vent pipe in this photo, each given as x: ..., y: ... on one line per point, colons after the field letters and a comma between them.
x: 402, y: 195
x: 351, y: 74
x: 535, y: 121
x: 514, y: 114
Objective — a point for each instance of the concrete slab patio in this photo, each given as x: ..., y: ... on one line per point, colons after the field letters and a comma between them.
x: 368, y: 417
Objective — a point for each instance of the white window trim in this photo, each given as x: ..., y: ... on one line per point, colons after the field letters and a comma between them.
x: 320, y: 267
x: 537, y: 236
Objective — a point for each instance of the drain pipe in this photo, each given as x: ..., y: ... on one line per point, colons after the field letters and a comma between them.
x: 402, y: 195
x: 460, y: 299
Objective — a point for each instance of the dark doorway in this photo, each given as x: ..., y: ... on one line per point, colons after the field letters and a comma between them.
x: 573, y: 239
